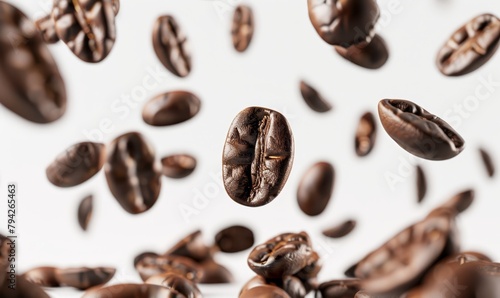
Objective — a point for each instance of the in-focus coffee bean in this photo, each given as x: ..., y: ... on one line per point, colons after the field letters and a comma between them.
x: 133, y: 291
x: 85, y: 211
x: 176, y: 282
x: 314, y: 99
x: 192, y: 246
x: 171, y: 46
x: 341, y: 230
x: 214, y: 273
x: 242, y: 28
x: 84, y: 278
x: 46, y: 27
x: 418, y: 131
x: 338, y: 288
x: 421, y: 184
x: 42, y: 276
x: 31, y: 84
x: 257, y: 156
x: 365, y: 134
x: 370, y: 55
x: 178, y: 165
x: 488, y: 162
x: 234, y: 239
x: 315, y: 188
x: 171, y: 108
x: 132, y: 173
x: 471, y: 46
x: 149, y: 265
x: 292, y: 285
x: 265, y: 291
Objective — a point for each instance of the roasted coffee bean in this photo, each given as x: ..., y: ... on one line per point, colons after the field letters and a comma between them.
x: 314, y: 99
x: 290, y: 284
x: 171, y: 46
x: 132, y: 174
x: 470, y: 47
x: 340, y: 230
x: 459, y: 202
x: 234, y: 239
x: 87, y: 27
x: 315, y: 188
x: 178, y: 166
x: 84, y: 278
x: 312, y: 268
x: 31, y: 84
x: 365, y: 134
x: 192, y: 246
x: 149, y: 265
x: 85, y: 212
x: 344, y: 23
x: 23, y: 289
x: 488, y: 162
x: 243, y: 27
x: 370, y: 55
x: 283, y: 255
x: 42, y: 276
x: 345, y: 288
x: 77, y: 164
x: 418, y: 131
x: 171, y: 108
x: 133, y: 291
x: 214, y: 273
x: 141, y: 256
x: 265, y: 291
x: 489, y: 279
x: 257, y: 157
x: 46, y: 27
x: 421, y: 184
x: 176, y: 282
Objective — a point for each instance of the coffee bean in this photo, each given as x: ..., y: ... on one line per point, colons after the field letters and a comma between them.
x: 370, y: 55
x: 42, y: 276
x: 84, y: 278
x: 265, y: 291
x: 149, y: 265
x: 345, y: 288
x: 214, y: 273
x: 344, y: 23
x: 312, y: 268
x: 257, y: 156
x: 176, y: 282
x: 46, y: 27
x: 488, y: 162
x: 340, y: 230
x: 365, y: 134
x: 87, y: 27
x: 242, y: 28
x: 488, y: 279
x: 459, y: 202
x: 192, y: 246
x: 234, y: 239
x: 171, y: 46
x: 313, y: 99
x: 77, y: 164
x: 133, y: 291
x: 85, y: 212
x: 471, y: 46
x: 315, y: 188
x: 418, y: 131
x: 290, y: 284
x: 171, y: 108
x: 421, y: 184
x: 132, y: 174
x: 178, y: 166
x: 31, y: 84
x: 23, y: 289
x: 143, y: 255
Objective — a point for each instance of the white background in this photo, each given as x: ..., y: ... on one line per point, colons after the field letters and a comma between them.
x: 284, y: 50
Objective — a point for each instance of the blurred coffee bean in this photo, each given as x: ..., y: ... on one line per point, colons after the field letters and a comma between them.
x: 42, y: 276
x: 178, y: 166
x: 23, y: 289
x: 31, y: 84
x: 171, y: 108
x: 132, y: 173
x: 85, y: 212
x: 265, y: 291
x: 346, y: 288
x: 149, y: 265
x: 340, y: 230
x: 234, y: 239
x: 171, y: 46
x: 84, y: 278
x: 371, y: 55
x: 314, y: 99
x: 418, y: 131
x: 421, y: 184
x: 133, y: 291
x: 365, y: 134
x: 77, y: 164
x: 214, y: 273
x: 315, y: 188
x: 488, y: 162
x: 459, y: 202
x: 176, y: 282
x: 242, y: 28
x: 290, y: 284
x: 257, y: 156
x: 143, y: 255
x: 46, y: 27
x: 192, y: 246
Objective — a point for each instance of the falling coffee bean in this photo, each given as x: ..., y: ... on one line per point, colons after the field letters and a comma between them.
x: 243, y: 27
x: 311, y: 269
x: 214, y: 273
x: 192, y: 246
x: 265, y: 291
x: 143, y: 255
x: 150, y: 265
x: 365, y: 134
x: 470, y: 47
x: 290, y: 284
x: 133, y: 291
x: 46, y: 27
x: 418, y: 131
x: 84, y: 278
x: 313, y: 99
x: 42, y: 276
x: 85, y: 212
x: 176, y: 282
x: 488, y: 162
x: 421, y: 184
x: 77, y: 164
x: 171, y: 46
x: 315, y: 188
x: 234, y: 239
x: 345, y: 288
x: 178, y: 166
x: 257, y: 156
x: 340, y: 230
x: 22, y: 289
x: 370, y: 55
x: 132, y: 174
x: 31, y: 84
x: 171, y: 108
x: 459, y: 202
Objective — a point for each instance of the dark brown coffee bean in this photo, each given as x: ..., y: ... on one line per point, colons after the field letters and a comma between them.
x: 176, y: 282
x: 178, y: 166
x: 344, y: 23
x: 23, y: 289
x: 488, y: 162
x: 214, y: 273
x: 143, y: 255
x: 192, y: 246
x: 77, y: 164
x: 242, y: 28
x: 370, y: 55
x: 171, y: 46
x: 283, y: 255
x: 132, y: 174
x: 365, y: 134
x: 345, y: 288
x: 470, y: 47
x: 313, y: 99
x: 265, y: 291
x: 133, y: 291
x: 46, y: 27
x: 418, y: 131
x: 315, y: 188
x: 257, y: 157
x: 84, y: 278
x: 312, y: 268
x: 171, y: 108
x: 85, y: 212
x: 31, y: 84
x: 149, y: 265
x: 421, y: 184
x: 459, y: 202
x: 340, y: 230
x: 234, y: 239
x: 87, y: 27
x: 42, y: 276
x: 292, y: 285
x: 350, y: 272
